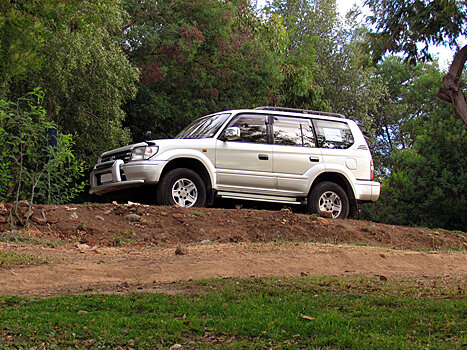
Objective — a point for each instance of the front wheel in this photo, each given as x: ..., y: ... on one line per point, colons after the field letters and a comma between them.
x: 329, y: 197
x: 183, y: 187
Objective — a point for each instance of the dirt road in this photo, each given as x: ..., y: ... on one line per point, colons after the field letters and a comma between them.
x: 150, y: 269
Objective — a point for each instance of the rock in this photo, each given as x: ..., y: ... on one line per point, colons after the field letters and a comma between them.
x: 115, y: 203
x: 303, y: 274
x: 95, y: 249
x: 82, y: 312
x: 3, y: 209
x: 124, y: 284
x: 73, y: 216
x: 23, y: 203
x: 52, y: 220
x: 201, y: 230
x: 204, y: 241
x: 177, y: 216
x: 383, y: 278
x: 322, y: 220
x: 325, y: 214
x: 38, y: 220
x: 82, y: 246
x: 133, y: 217
x: 181, y: 251
x: 107, y: 212
x: 176, y: 346
x: 164, y: 213
x: 98, y: 217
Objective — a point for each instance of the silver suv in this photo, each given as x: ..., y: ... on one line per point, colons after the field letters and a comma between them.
x: 267, y: 154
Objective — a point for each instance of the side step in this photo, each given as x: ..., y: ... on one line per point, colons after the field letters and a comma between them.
x: 259, y: 197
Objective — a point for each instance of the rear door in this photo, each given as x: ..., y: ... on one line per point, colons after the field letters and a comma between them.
x: 294, y: 153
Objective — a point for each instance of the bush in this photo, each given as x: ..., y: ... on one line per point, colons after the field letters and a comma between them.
x: 29, y: 160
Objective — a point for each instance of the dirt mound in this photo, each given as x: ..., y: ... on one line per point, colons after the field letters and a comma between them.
x: 135, y: 224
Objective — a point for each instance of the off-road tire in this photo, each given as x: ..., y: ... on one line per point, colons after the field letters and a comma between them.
x: 323, y: 195
x: 174, y: 180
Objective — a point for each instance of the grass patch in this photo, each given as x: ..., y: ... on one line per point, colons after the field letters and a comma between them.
x: 248, y: 313
x: 10, y: 259
x: 19, y: 237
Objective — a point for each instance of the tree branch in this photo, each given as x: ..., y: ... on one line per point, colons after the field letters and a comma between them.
x: 452, y: 91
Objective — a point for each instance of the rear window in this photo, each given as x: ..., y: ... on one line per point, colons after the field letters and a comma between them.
x: 333, y: 134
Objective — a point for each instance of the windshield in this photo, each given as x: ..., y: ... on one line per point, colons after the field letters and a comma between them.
x: 203, y: 127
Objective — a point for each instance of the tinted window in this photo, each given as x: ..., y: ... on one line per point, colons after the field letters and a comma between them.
x: 333, y: 134
x: 252, y: 128
x: 293, y: 132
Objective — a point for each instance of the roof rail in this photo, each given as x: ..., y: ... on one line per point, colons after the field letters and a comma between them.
x: 307, y: 111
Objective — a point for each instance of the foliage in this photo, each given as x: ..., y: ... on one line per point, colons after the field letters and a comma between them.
x: 298, y: 49
x: 411, y: 92
x: 330, y: 51
x: 20, y: 42
x: 203, y: 57
x: 248, y: 313
x: 26, y: 154
x: 80, y: 66
x: 404, y: 26
x: 401, y: 25
x: 427, y: 183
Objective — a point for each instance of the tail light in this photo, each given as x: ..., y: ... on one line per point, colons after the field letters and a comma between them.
x: 372, y: 170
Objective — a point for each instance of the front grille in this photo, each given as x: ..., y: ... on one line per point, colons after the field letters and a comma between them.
x: 125, y: 156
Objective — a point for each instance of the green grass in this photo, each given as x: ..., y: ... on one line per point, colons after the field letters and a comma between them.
x: 18, y: 237
x: 360, y: 313
x: 10, y: 259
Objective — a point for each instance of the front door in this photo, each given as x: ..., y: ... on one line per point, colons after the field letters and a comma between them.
x: 245, y: 165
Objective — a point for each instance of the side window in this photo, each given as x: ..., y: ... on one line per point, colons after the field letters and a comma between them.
x: 293, y: 132
x: 252, y: 128
x: 333, y: 134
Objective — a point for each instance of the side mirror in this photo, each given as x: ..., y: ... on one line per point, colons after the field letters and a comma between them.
x: 147, y: 135
x: 232, y: 133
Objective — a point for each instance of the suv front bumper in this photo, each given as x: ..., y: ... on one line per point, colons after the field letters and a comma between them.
x: 117, y: 175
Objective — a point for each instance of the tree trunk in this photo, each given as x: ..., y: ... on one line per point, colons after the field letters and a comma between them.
x: 452, y: 90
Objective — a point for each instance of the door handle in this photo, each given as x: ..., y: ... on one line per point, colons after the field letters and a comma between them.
x: 263, y: 157
x: 314, y: 159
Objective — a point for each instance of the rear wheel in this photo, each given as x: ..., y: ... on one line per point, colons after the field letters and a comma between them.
x: 328, y: 197
x: 183, y: 187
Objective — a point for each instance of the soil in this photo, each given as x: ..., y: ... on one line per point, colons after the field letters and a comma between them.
x: 121, y: 248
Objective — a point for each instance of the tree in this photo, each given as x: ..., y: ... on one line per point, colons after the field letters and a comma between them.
x: 426, y: 185
x: 402, y: 25
x: 75, y: 56
x: 196, y: 57
x: 331, y: 51
x: 410, y: 96
x: 298, y: 49
x: 420, y: 150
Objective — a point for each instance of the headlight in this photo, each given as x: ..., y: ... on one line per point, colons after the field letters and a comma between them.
x: 144, y: 153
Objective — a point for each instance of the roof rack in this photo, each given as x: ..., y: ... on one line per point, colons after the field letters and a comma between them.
x: 307, y: 111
